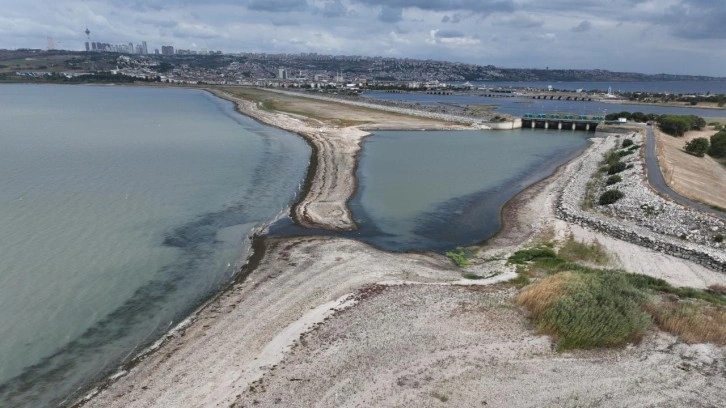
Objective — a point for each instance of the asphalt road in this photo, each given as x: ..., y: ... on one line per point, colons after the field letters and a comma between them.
x: 657, y: 181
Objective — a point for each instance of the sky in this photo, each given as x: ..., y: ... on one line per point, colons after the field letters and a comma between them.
x: 647, y: 36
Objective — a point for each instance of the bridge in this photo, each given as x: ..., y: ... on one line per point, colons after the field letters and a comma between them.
x: 560, y: 97
x: 557, y: 121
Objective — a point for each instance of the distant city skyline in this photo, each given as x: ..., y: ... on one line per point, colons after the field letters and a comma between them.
x: 648, y: 36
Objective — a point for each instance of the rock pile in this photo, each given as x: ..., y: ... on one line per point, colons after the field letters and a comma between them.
x: 641, y: 216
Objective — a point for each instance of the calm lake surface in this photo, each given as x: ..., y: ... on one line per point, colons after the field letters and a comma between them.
x: 675, y: 87
x: 122, y: 209
x: 438, y: 190
x: 519, y: 106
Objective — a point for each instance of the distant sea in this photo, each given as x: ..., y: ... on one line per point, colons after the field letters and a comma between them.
x: 122, y: 209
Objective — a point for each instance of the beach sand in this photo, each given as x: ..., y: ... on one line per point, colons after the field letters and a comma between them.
x: 335, y: 322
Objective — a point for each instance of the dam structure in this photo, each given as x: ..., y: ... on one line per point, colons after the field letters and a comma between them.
x: 561, y: 122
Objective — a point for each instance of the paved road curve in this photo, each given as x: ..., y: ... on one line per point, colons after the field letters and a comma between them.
x: 657, y: 181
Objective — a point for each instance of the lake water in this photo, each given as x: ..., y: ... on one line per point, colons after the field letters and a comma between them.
x: 519, y: 106
x: 122, y: 209
x: 438, y: 190
x: 675, y: 87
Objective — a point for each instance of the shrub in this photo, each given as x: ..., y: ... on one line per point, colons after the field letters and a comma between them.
x: 718, y: 145
x: 627, y: 142
x: 615, y: 178
x: 587, y: 310
x: 623, y: 153
x: 616, y: 168
x: 610, y: 197
x: 698, y: 146
x: 534, y: 254
x: 718, y: 238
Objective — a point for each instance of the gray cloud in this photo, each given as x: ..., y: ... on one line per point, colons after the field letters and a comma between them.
x: 480, y: 6
x: 582, y: 27
x: 696, y: 19
x: 391, y: 14
x: 334, y: 9
x: 277, y: 5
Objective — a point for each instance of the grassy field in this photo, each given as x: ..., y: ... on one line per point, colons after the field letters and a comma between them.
x: 584, y: 307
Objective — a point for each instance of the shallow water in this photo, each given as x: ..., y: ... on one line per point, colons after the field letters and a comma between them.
x: 122, y: 209
x: 438, y: 190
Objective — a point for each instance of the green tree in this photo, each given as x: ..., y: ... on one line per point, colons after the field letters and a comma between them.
x: 698, y: 146
x: 718, y: 145
x: 677, y: 125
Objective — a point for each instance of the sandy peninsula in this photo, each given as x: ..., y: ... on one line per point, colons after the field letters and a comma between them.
x: 332, y: 322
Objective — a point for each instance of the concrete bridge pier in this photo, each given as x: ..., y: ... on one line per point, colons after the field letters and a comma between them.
x: 559, y: 125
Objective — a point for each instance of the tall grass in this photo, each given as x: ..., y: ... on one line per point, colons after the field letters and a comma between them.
x: 587, y: 310
x: 575, y: 251
x: 585, y: 307
x: 692, y: 321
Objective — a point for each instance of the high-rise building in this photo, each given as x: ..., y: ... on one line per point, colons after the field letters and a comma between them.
x: 282, y: 73
x: 131, y: 48
x: 145, y: 49
x: 88, y: 46
x: 167, y: 50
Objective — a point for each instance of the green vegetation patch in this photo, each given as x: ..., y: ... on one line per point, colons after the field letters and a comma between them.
x: 460, y: 256
x: 610, y: 196
x: 615, y: 178
x: 698, y: 146
x: 617, y: 168
x: 576, y: 251
x: 585, y: 308
x: 678, y: 125
x: 718, y: 145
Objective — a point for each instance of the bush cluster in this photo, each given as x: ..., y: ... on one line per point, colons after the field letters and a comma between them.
x: 610, y: 196
x: 718, y: 145
x: 616, y: 168
x: 698, y: 146
x: 615, y: 178
x: 677, y: 125
x: 627, y: 142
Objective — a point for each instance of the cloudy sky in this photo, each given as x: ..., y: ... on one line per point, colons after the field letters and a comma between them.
x: 650, y: 36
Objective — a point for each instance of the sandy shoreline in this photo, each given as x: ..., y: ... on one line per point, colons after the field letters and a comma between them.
x: 335, y: 322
